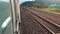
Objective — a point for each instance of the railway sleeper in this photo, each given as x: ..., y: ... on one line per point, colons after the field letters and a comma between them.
x: 52, y: 28
x: 44, y: 30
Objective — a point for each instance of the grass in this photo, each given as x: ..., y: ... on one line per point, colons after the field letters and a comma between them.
x: 52, y: 10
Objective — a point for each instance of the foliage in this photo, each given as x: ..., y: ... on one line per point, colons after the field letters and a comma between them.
x: 35, y: 4
x: 27, y: 4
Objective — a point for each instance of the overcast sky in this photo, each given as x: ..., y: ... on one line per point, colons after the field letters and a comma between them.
x: 21, y: 1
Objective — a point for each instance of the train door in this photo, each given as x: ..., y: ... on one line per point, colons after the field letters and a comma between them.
x: 15, y: 15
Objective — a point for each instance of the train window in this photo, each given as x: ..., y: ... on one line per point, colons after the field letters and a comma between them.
x: 5, y: 17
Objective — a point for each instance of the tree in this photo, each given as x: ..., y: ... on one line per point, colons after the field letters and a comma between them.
x: 27, y: 4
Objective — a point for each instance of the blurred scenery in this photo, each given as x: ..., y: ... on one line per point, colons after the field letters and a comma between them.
x: 52, y: 6
x: 40, y: 13
x: 49, y: 6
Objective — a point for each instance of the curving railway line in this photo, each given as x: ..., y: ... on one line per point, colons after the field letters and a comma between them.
x: 54, y: 19
x: 34, y: 22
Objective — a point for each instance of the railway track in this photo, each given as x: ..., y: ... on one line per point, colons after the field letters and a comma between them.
x: 42, y: 25
x: 48, y: 16
x: 51, y: 27
x: 31, y: 26
x: 52, y: 14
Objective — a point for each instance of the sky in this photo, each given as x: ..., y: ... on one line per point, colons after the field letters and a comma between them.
x: 21, y: 1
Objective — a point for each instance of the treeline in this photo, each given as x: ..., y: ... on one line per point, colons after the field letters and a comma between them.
x: 27, y: 4
x: 36, y: 4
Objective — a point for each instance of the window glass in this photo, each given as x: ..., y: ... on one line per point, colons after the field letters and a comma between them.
x: 5, y: 17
